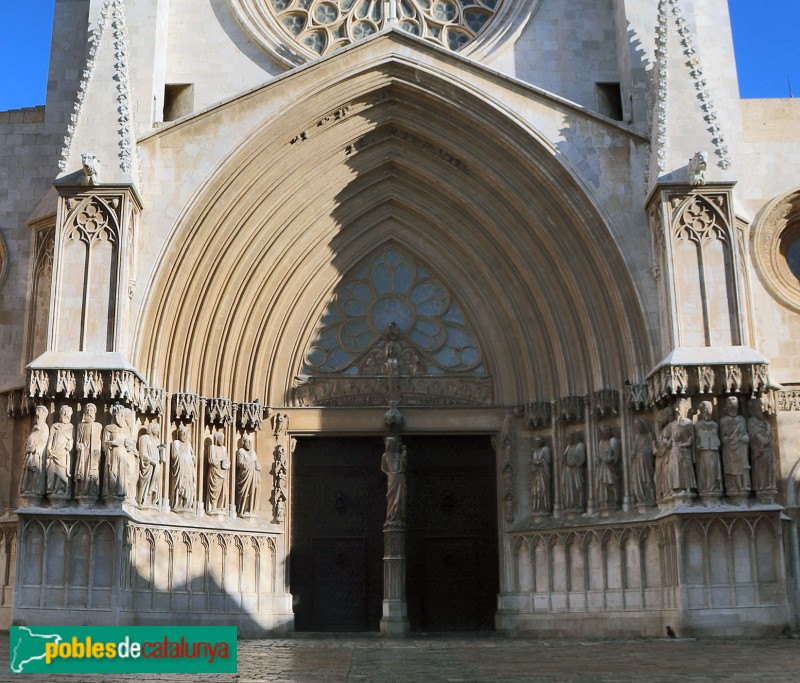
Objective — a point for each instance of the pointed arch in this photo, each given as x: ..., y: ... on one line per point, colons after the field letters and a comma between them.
x: 387, y: 156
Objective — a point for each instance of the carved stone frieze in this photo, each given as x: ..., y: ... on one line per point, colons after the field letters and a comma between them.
x: 185, y: 407
x: 414, y: 391
x: 153, y: 401
x: 538, y: 414
x: 92, y: 383
x: 219, y: 411
x: 38, y: 384
x: 605, y: 403
x: 569, y: 409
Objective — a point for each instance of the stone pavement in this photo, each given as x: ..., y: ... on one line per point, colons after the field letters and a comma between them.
x: 490, y: 659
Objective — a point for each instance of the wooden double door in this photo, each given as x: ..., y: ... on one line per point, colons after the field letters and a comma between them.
x: 338, y: 510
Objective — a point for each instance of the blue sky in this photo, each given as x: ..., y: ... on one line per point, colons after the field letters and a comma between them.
x: 765, y: 35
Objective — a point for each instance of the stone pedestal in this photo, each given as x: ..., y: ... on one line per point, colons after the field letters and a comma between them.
x: 395, y: 609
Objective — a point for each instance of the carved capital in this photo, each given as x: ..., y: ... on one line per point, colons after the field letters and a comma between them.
x: 66, y: 383
x: 154, y: 401
x: 92, y: 383
x: 637, y: 397
x: 219, y: 411
x: 569, y: 409
x: 538, y: 414
x: 605, y: 403
x: 252, y: 415
x: 185, y: 407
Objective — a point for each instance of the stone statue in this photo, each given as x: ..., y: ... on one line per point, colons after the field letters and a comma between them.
x: 91, y: 168
x: 219, y: 465
x: 183, y: 468
x: 605, y: 472
x: 151, y: 459
x: 248, y: 478
x: 707, y: 445
x: 540, y: 477
x: 662, y: 448
x: 281, y: 422
x: 393, y: 465
x: 89, y: 445
x: 59, y: 455
x: 574, y: 476
x: 735, y: 444
x: 120, y: 450
x: 762, y: 457
x: 697, y: 167
x: 680, y: 438
x: 642, y: 466
x: 32, y: 483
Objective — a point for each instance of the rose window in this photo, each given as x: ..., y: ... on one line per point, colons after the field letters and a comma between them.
x: 433, y: 338
x: 321, y: 26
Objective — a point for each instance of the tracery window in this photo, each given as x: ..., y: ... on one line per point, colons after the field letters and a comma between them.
x: 391, y: 287
x: 325, y: 25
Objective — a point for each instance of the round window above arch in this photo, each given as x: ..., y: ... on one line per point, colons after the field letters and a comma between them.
x: 776, y: 249
x: 297, y: 31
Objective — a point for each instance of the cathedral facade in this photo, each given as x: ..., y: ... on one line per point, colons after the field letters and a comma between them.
x: 400, y: 315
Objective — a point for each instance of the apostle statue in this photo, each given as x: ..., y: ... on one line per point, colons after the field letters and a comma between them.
x: 540, y: 477
x: 183, y: 470
x: 32, y: 483
x: 707, y: 445
x: 151, y: 459
x: 763, y: 459
x: 59, y: 455
x: 680, y: 438
x: 574, y: 477
x: 642, y: 466
x: 89, y: 444
x: 606, y: 476
x: 248, y: 478
x: 219, y: 465
x: 120, y: 450
x: 393, y: 465
x: 662, y: 449
x: 735, y: 444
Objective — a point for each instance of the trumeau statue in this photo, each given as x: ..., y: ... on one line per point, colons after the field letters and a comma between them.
x: 151, y: 459
x: 605, y: 471
x: 219, y: 465
x: 59, y: 455
x: 735, y: 444
x: 120, y: 447
x: 541, y: 457
x: 642, y: 467
x: 763, y: 459
x: 183, y: 468
x: 89, y: 445
x: 574, y: 473
x: 248, y: 478
x: 32, y: 483
x: 707, y: 445
x: 680, y: 437
x: 393, y: 465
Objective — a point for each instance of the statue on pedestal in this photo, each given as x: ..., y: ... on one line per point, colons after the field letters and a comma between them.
x: 183, y: 493
x: 707, y: 445
x: 393, y: 465
x: 763, y: 458
x: 735, y: 444
x: 120, y: 450
x: 59, y: 455
x: 574, y: 473
x: 605, y: 471
x: 248, y: 478
x: 32, y: 483
x: 642, y: 465
x: 151, y: 459
x: 540, y: 477
x: 680, y: 437
x: 89, y: 447
x: 219, y: 465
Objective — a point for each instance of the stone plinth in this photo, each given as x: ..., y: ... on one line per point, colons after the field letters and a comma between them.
x: 395, y: 610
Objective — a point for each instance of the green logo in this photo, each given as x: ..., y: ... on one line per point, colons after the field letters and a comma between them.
x: 123, y: 649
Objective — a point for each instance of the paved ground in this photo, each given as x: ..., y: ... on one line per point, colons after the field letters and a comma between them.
x: 490, y: 659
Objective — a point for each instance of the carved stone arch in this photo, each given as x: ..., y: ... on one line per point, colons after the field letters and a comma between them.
x: 700, y: 219
x: 525, y: 236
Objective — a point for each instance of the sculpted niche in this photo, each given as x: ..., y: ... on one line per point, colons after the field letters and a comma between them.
x: 88, y: 448
x: 605, y: 471
x: 735, y: 444
x: 248, y: 478
x: 151, y: 461
x: 642, y: 465
x: 393, y: 464
x: 540, y: 467
x: 32, y: 482
x: 707, y: 445
x: 183, y: 468
x: 219, y: 465
x: 59, y: 457
x: 574, y: 480
x: 120, y: 450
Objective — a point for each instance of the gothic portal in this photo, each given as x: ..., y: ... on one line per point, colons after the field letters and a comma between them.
x: 400, y: 315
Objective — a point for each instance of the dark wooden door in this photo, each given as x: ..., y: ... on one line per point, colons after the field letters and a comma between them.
x: 338, y: 509
x: 452, y: 565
